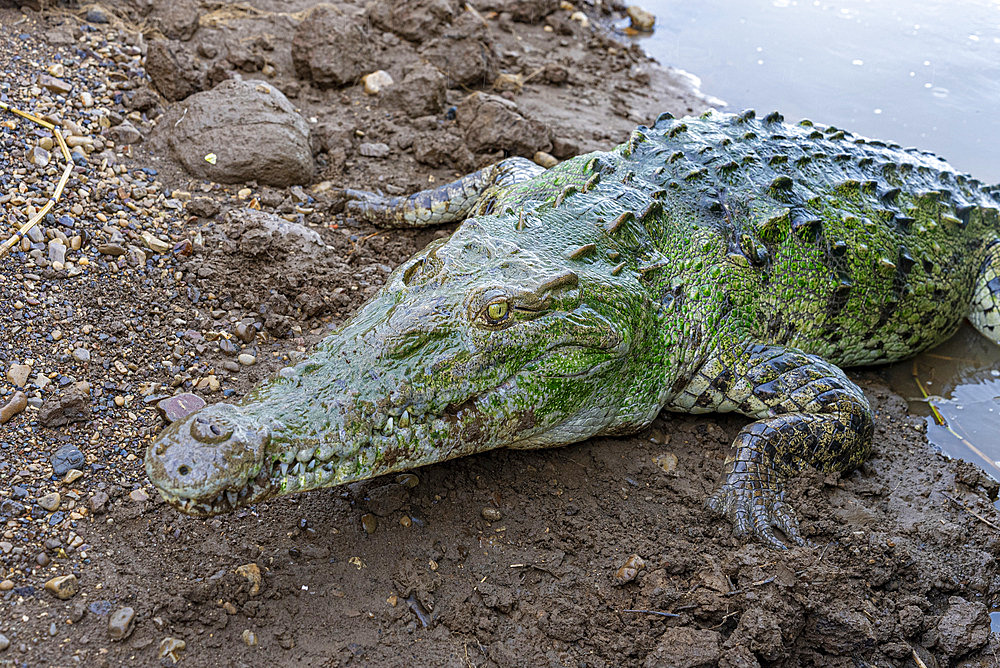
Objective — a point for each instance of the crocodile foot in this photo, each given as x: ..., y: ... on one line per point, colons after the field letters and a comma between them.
x: 756, y: 508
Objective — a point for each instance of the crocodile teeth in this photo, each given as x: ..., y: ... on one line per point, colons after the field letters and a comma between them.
x: 298, y: 470
x: 231, y: 496
x: 388, y: 426
x: 284, y: 469
x: 404, y: 419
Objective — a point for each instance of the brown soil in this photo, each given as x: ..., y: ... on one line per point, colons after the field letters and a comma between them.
x: 904, y: 564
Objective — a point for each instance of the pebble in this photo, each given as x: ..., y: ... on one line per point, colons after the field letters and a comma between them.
x: 16, y: 405
x: 4, y: 642
x: 63, y: 587
x: 39, y: 157
x: 374, y: 150
x: 155, y: 244
x: 86, y: 99
x: 251, y: 572
x: 125, y: 134
x: 72, y: 476
x: 179, y: 406
x: 54, y: 84
x: 641, y: 19
x: 6, y: 585
x: 50, y: 502
x: 120, y: 623
x: 113, y: 250
x: 369, y: 523
x: 376, y: 81
x: 65, y: 458
x: 630, y: 569
x: 491, y: 514
x: 57, y: 251
x: 249, y: 637
x: 246, y: 359
x: 170, y: 648
x: 666, y: 461
x: 407, y: 480
x: 138, y: 495
x: 543, y: 159
x: 81, y: 355
x: 245, y: 332
x: 18, y: 374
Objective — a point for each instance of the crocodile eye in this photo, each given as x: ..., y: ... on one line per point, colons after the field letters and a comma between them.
x: 497, y: 312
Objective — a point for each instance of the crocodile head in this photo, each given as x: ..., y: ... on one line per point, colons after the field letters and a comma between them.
x: 474, y: 343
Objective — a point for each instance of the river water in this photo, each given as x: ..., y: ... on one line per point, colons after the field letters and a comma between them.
x: 916, y: 72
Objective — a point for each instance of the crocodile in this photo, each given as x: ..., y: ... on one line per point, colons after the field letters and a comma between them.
x: 719, y: 263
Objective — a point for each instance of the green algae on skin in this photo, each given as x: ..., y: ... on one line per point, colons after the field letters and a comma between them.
x: 720, y: 263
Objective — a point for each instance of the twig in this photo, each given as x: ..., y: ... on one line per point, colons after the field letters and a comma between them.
x: 654, y: 612
x: 970, y: 511
x: 941, y: 422
x: 917, y: 660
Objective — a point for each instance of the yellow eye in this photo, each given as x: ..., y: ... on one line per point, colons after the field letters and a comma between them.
x: 497, y: 311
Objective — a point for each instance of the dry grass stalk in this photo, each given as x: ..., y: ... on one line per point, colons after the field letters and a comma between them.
x: 6, y: 246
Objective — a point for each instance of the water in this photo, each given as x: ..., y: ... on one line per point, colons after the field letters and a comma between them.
x: 917, y: 72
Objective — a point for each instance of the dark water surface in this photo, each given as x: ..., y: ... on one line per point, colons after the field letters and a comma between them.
x: 916, y: 72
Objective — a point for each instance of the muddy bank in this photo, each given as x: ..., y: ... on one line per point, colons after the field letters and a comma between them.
x: 596, y: 554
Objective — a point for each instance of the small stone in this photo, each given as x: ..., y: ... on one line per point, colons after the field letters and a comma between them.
x: 18, y: 374
x: 65, y: 458
x: 16, y: 405
x: 54, y: 84
x: 245, y: 332
x: 369, y: 523
x: 155, y: 244
x: 374, y: 150
x: 641, y: 19
x: 125, y: 133
x: 96, y: 15
x: 376, y: 81
x: 249, y: 637
x: 97, y: 501
x: 50, y: 501
x: 244, y: 193
x: 491, y: 514
x: 179, y: 406
x: 407, y: 480
x: 56, y: 70
x: 170, y: 648
x: 81, y: 355
x: 72, y: 476
x: 39, y: 157
x: 246, y: 359
x: 138, y: 495
x: 228, y: 347
x: 113, y: 250
x: 4, y: 642
x: 63, y: 587
x: 6, y: 585
x: 57, y: 252
x: 86, y: 99
x: 120, y: 623
x: 42, y: 559
x: 251, y: 572
x: 629, y: 570
x: 666, y: 461
x: 56, y: 334
x: 546, y: 160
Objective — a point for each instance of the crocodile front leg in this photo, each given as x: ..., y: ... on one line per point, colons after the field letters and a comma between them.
x: 808, y: 413
x: 449, y: 203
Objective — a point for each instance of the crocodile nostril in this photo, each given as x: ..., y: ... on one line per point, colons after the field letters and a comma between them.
x: 207, y: 430
x: 183, y: 470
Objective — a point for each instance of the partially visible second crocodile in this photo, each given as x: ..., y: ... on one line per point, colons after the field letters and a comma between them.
x: 721, y: 263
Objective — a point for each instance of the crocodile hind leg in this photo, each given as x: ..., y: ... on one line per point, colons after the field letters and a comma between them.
x: 808, y: 413
x: 449, y: 203
x: 984, y: 313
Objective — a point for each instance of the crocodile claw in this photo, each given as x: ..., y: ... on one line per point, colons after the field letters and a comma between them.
x: 756, y: 510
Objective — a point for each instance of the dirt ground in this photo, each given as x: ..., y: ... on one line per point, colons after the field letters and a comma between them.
x: 903, y: 571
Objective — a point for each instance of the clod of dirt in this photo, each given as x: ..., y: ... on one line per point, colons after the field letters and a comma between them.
x: 331, y: 49
x: 420, y: 93
x: 685, y: 647
x: 963, y: 627
x: 415, y: 21
x: 73, y: 405
x: 525, y: 11
x: 251, y: 128
x: 493, y: 123
x: 172, y: 70
x: 266, y: 233
x: 465, y: 53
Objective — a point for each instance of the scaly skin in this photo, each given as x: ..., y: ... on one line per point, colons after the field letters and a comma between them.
x: 720, y: 263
